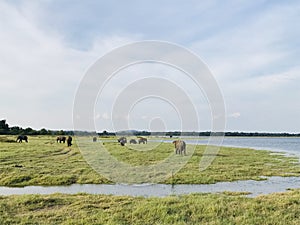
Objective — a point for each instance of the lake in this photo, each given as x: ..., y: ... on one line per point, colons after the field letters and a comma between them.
x: 289, y: 145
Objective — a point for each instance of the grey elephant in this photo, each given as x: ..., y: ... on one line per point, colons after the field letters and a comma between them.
x: 94, y: 139
x: 21, y: 138
x: 61, y: 139
x: 122, y: 140
x: 133, y: 141
x: 142, y: 140
x: 69, y: 141
x: 180, y: 147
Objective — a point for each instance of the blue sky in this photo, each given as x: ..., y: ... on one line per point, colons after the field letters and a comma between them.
x: 252, y: 48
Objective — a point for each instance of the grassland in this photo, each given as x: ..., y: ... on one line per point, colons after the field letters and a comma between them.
x: 189, y: 209
x: 42, y: 161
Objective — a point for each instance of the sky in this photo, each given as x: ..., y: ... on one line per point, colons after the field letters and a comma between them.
x: 252, y: 48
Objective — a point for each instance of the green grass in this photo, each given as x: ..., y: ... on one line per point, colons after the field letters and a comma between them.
x: 230, y: 164
x: 211, y: 209
x: 42, y: 161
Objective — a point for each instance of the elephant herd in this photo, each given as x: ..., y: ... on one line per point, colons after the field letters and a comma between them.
x: 63, y: 139
x: 141, y: 140
x: 180, y: 146
x: 60, y: 139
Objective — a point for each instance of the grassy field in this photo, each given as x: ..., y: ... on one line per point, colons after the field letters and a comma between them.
x: 42, y: 161
x: 226, y: 208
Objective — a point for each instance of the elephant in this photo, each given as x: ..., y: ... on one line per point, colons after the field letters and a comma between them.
x: 22, y: 138
x: 133, y: 141
x: 180, y: 147
x: 142, y: 140
x: 61, y: 139
x: 94, y: 139
x: 69, y: 141
x: 122, y: 140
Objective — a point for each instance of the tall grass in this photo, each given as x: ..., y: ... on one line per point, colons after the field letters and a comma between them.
x: 189, y: 209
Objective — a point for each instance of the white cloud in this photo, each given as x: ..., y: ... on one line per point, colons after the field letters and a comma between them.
x: 253, y: 49
x: 278, y: 80
x: 234, y: 115
x: 39, y: 72
x: 255, y: 46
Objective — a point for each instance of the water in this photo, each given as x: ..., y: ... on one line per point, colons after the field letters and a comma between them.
x: 289, y: 145
x: 272, y: 185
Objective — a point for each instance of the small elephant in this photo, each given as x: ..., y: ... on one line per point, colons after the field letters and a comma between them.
x: 180, y: 147
x: 69, y: 141
x: 94, y: 139
x: 61, y: 139
x: 122, y: 140
x: 21, y: 138
x: 142, y: 140
x: 133, y: 141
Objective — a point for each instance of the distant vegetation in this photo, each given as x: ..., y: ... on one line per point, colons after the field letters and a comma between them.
x: 5, y: 129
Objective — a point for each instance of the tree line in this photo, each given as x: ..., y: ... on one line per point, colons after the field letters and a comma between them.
x: 232, y: 134
x: 15, y: 130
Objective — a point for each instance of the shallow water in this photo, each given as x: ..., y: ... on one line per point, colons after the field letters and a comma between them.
x: 290, y: 145
x: 273, y: 184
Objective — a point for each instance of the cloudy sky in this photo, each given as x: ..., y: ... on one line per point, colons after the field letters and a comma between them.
x: 251, y: 47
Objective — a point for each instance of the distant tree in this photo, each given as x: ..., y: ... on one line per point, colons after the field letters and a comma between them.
x: 4, y: 128
x: 30, y: 131
x: 61, y: 132
x: 69, y: 132
x: 43, y: 131
x: 16, y: 130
